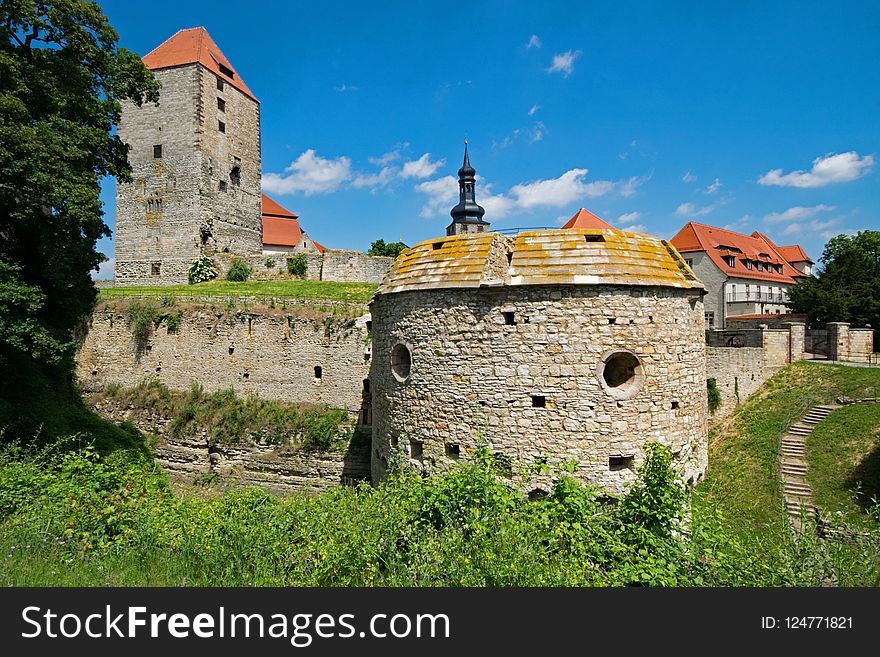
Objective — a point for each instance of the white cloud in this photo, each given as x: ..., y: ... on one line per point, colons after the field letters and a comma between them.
x: 309, y: 174
x: 564, y: 62
x: 421, y: 168
x: 688, y: 177
x: 796, y: 213
x: 442, y: 195
x: 374, y: 180
x: 563, y: 191
x: 842, y: 167
x: 342, y: 88
x: 390, y: 156
x: 534, y: 109
x: 628, y: 187
x: 689, y: 209
x: 714, y: 187
x: 534, y: 42
x: 811, y: 228
x: 629, y: 217
x: 538, y: 131
x: 636, y: 228
x: 105, y: 271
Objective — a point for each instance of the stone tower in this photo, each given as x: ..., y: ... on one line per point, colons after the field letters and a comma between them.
x: 467, y: 216
x: 195, y: 161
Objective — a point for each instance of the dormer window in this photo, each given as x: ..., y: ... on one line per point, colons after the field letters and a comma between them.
x: 748, y: 264
x: 225, y: 70
x: 730, y: 260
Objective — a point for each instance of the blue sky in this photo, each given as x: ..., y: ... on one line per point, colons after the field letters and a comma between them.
x: 747, y: 115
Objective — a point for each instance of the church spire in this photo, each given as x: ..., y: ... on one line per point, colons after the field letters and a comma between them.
x: 467, y: 216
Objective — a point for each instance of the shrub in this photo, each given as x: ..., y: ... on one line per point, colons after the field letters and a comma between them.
x: 142, y: 317
x: 201, y: 269
x: 239, y: 272
x: 714, y: 395
x: 270, y: 263
x: 297, y: 265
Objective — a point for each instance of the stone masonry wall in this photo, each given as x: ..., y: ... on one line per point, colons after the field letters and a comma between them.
x: 274, y: 468
x: 521, y: 369
x: 861, y: 344
x: 738, y: 372
x: 272, y: 355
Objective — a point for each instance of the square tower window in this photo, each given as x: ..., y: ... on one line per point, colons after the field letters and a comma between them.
x: 621, y: 462
x: 156, y: 268
x: 220, y: 84
x: 221, y: 104
x: 539, y: 401
x: 221, y: 126
x: 222, y: 186
x: 509, y: 319
x: 453, y: 450
x: 225, y: 70
x: 157, y: 151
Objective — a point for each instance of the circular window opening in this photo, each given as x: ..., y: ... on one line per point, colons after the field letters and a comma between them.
x: 401, y: 362
x: 621, y: 374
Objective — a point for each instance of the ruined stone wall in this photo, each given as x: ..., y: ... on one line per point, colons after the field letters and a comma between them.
x: 521, y: 368
x: 277, y: 469
x: 777, y: 348
x: 271, y: 355
x: 353, y: 267
x: 738, y: 372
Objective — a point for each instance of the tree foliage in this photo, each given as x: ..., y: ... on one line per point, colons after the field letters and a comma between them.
x: 847, y: 289
x: 62, y: 79
x: 380, y: 248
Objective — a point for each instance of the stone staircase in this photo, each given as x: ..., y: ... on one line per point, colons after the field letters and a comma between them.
x: 793, y: 464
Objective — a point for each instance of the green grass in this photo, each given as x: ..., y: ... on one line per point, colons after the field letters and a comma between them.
x: 742, y: 475
x: 299, y: 290
x: 843, y: 453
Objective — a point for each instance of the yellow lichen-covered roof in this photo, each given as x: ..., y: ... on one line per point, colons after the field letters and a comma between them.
x: 540, y: 257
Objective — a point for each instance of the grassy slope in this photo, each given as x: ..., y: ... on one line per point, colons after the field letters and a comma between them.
x: 844, y: 457
x: 742, y: 476
x: 348, y: 292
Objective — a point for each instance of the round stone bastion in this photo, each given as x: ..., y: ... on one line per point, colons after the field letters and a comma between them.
x: 557, y: 350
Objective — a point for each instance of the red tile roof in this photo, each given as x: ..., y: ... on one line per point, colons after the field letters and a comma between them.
x: 586, y: 219
x: 192, y: 46
x: 793, y: 253
x: 718, y: 243
x: 281, y: 226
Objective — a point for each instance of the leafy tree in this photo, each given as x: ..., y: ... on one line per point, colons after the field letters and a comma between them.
x: 847, y: 289
x: 62, y: 81
x: 62, y: 78
x: 379, y: 248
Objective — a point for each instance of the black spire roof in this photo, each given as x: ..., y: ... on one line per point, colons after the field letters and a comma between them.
x: 467, y: 216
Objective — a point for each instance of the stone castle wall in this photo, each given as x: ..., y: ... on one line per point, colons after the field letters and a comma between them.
x: 738, y: 372
x: 275, y: 468
x: 273, y: 355
x: 521, y: 368
x: 332, y: 265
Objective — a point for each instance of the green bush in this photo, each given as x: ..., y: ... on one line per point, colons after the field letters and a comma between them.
x: 270, y: 263
x: 713, y: 394
x: 239, y: 272
x: 201, y: 269
x: 297, y: 265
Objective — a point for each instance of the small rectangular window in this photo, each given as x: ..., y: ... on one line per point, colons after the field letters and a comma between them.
x: 509, y: 319
x: 539, y: 401
x: 416, y: 449
x: 620, y: 462
x: 225, y: 70
x: 453, y: 450
x: 221, y: 126
x: 157, y: 151
x: 222, y: 186
x: 220, y: 84
x: 156, y: 268
x: 221, y: 104
x: 594, y: 238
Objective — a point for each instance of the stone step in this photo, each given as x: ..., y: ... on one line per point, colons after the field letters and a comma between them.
x: 793, y: 440
x: 793, y: 470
